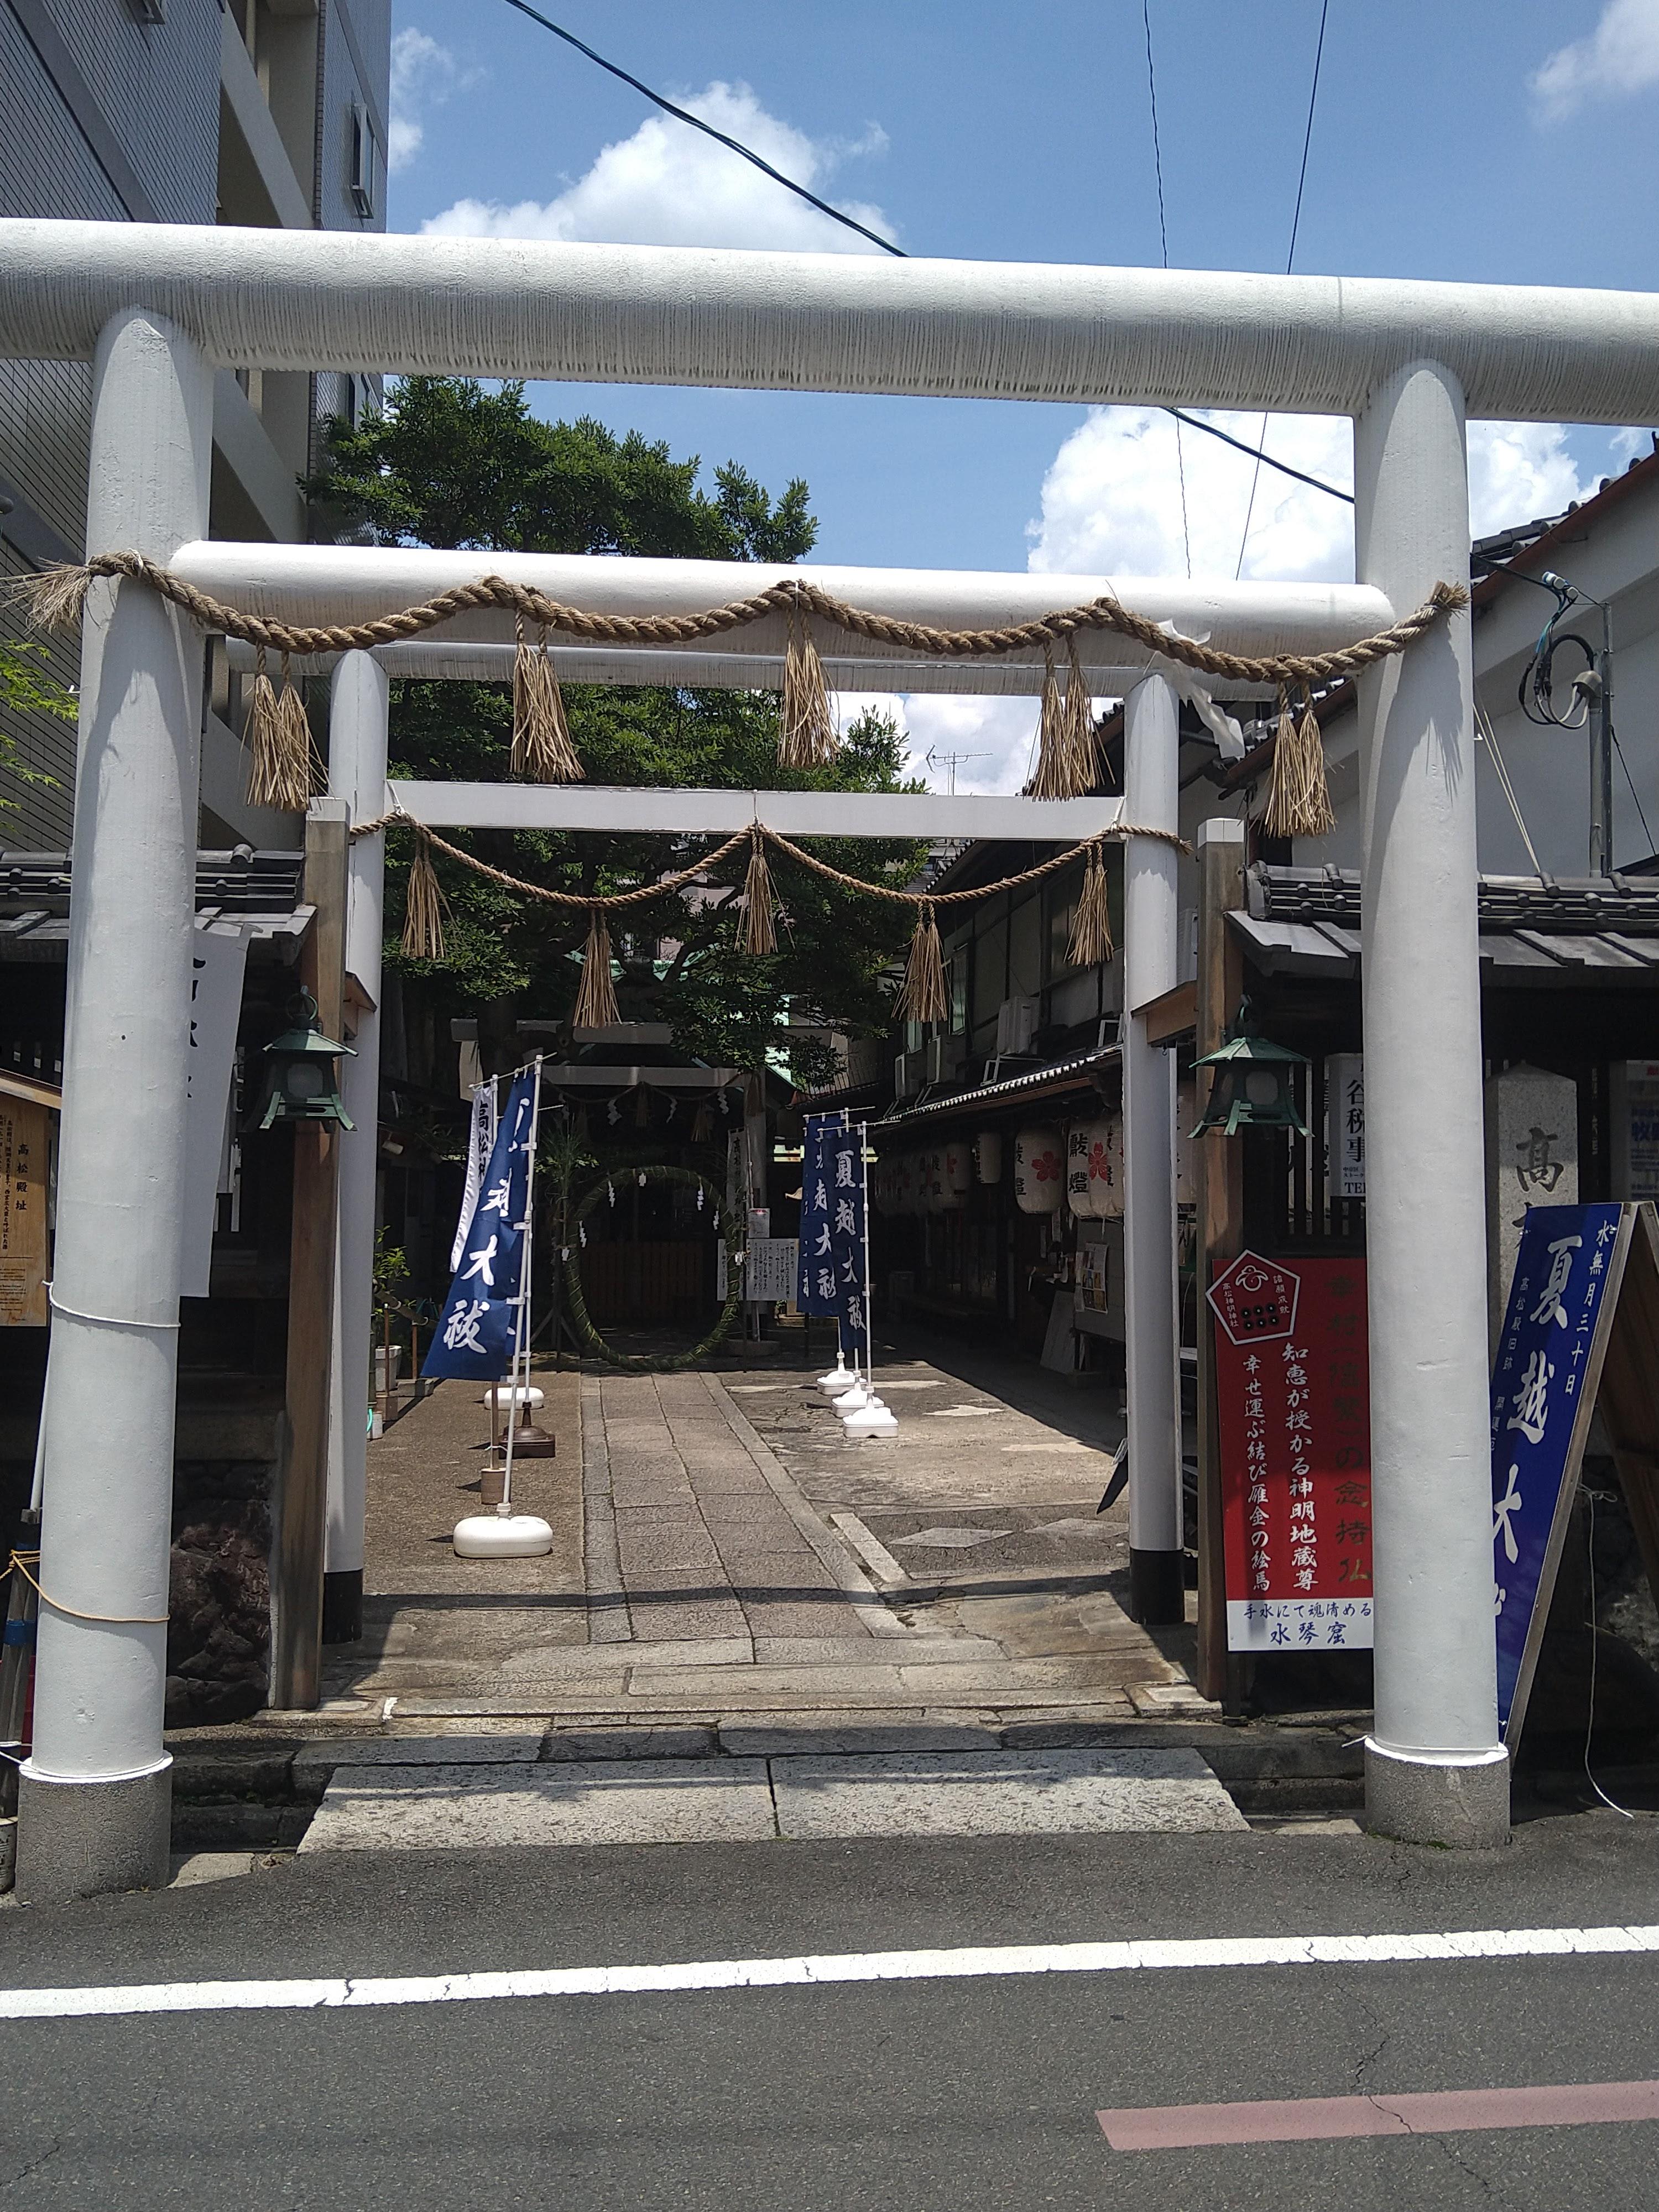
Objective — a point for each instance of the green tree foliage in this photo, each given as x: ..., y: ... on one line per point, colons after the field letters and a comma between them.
x: 451, y: 463
x: 25, y: 689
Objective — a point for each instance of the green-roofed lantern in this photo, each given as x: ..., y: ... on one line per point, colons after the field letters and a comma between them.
x: 301, y: 1083
x: 1253, y: 1086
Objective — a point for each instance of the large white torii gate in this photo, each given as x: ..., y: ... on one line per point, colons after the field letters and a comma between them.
x: 157, y: 309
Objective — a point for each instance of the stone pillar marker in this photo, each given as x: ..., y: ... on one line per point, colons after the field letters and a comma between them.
x: 1532, y: 1159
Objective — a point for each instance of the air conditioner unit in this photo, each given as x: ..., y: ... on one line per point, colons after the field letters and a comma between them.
x: 941, y: 1056
x: 906, y: 1075
x: 1017, y: 1024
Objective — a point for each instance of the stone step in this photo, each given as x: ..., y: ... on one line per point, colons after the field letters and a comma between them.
x: 390, y: 1807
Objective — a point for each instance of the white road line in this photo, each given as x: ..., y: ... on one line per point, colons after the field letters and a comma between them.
x: 1452, y: 1947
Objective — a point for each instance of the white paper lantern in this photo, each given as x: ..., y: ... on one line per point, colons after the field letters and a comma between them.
x: 1111, y: 1199
x: 1088, y: 1173
x: 957, y: 1166
x: 1039, y: 1171
x: 988, y: 1155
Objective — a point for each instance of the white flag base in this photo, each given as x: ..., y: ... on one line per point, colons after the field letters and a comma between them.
x: 872, y: 1418
x: 840, y: 1377
x: 501, y: 1536
x: 850, y: 1401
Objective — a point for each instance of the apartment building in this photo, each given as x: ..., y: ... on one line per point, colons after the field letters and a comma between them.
x: 269, y: 113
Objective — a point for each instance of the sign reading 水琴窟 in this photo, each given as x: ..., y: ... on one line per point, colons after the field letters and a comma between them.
x: 1542, y: 1395
x: 1293, y: 1398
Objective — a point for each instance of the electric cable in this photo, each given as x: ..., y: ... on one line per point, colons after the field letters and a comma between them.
x: 685, y: 115
x: 1164, y: 240
x: 1489, y: 738
x: 1635, y: 794
x: 1290, y: 264
x: 1253, y: 453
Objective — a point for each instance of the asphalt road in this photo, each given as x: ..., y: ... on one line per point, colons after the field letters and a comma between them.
x: 961, y: 2093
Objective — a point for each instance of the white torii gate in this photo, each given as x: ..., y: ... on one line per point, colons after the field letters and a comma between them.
x: 157, y: 309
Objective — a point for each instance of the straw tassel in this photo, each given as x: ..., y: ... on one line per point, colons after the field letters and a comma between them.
x: 1065, y: 729
x: 1090, y: 944
x: 1299, y: 800
x: 543, y: 749
x: 281, y: 756
x: 703, y: 1128
x: 424, y: 906
x: 56, y: 596
x: 758, y: 934
x: 924, y: 998
x: 806, y: 738
x: 596, y: 995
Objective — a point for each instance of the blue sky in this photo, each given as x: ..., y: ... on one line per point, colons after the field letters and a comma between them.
x: 1496, y: 140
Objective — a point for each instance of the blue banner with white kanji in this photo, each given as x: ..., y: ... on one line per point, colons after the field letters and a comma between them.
x: 474, y: 1339
x: 818, y: 1291
x: 1543, y: 1356
x: 844, y: 1159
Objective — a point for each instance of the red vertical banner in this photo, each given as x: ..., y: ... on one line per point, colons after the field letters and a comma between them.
x: 1295, y: 1433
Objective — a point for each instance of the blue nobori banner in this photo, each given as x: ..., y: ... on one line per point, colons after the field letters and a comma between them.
x: 844, y: 1158
x: 1567, y: 1273
x: 475, y: 1336
x: 818, y: 1287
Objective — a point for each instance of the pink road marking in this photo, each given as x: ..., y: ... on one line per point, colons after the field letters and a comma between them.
x: 1306, y: 2119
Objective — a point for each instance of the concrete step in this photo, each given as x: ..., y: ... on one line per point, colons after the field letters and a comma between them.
x: 388, y: 1806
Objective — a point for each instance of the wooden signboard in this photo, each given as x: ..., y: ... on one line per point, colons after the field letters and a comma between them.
x: 1581, y: 1330
x: 26, y: 1141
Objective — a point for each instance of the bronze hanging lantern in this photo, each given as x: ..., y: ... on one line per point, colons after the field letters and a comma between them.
x: 1255, y: 1085
x: 301, y: 1083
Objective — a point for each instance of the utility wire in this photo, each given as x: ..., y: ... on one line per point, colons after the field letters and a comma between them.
x: 835, y: 215
x: 685, y: 115
x: 1164, y: 240
x: 1290, y: 264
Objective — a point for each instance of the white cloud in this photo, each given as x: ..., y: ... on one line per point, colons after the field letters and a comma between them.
x: 991, y: 738
x: 670, y: 185
x: 423, y: 72
x: 1111, y: 500
x: 1620, y: 56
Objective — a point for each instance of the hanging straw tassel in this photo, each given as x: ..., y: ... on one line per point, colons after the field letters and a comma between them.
x: 1080, y: 712
x: 1090, y: 944
x: 1299, y: 800
x: 806, y: 738
x: 424, y: 906
x: 596, y: 994
x: 758, y: 934
x: 543, y: 749
x: 282, y: 755
x: 924, y: 998
x: 702, y: 1126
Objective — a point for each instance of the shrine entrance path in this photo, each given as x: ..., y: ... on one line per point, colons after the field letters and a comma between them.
x: 728, y: 1568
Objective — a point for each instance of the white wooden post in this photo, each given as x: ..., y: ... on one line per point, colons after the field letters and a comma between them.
x: 95, y: 1795
x: 1435, y: 1771
x: 1151, y: 967
x: 356, y: 772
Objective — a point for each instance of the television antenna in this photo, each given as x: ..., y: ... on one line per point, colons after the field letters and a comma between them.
x: 950, y: 763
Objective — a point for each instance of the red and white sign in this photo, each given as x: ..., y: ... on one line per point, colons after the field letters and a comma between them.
x: 1295, y: 1433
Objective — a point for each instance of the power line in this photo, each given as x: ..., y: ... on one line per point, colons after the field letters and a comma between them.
x: 1195, y: 422
x: 1164, y: 240
x: 685, y: 115
x: 1290, y: 264
x: 887, y: 245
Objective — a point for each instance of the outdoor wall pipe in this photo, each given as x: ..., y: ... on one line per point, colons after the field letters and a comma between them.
x: 95, y: 1795
x: 356, y: 772
x: 1435, y: 1771
x: 1152, y: 965
x: 827, y: 322
x: 338, y: 584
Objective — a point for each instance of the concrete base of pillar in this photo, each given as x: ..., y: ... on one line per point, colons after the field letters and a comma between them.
x: 1461, y: 1803
x: 8, y: 1854
x: 1157, y: 1588
x: 343, y: 1607
x: 89, y: 1838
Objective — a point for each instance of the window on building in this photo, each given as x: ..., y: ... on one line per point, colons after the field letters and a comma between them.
x: 362, y: 159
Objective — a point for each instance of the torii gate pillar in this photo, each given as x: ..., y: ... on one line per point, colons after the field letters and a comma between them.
x: 1435, y: 1770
